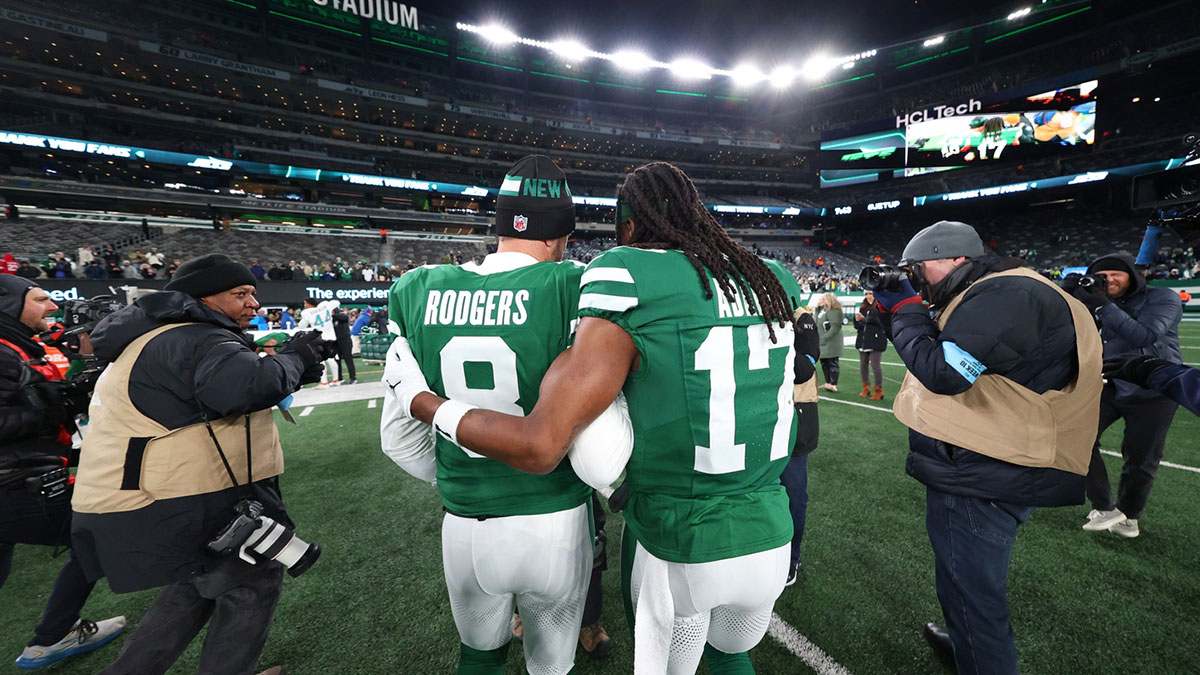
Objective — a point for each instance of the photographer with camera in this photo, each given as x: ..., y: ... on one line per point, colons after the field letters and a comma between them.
x: 179, y: 468
x: 1134, y: 319
x: 35, y: 488
x: 1001, y: 400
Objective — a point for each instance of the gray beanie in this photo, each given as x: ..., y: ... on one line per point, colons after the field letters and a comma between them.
x: 943, y: 239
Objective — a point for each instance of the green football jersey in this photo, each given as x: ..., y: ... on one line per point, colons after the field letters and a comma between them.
x: 485, y: 335
x: 711, y: 406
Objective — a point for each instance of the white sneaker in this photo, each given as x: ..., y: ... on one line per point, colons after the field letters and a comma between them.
x: 322, y: 385
x: 1099, y: 521
x: 1127, y: 528
x: 84, y: 637
x: 335, y: 383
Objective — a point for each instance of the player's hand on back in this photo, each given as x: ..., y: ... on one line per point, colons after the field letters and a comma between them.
x: 403, y: 377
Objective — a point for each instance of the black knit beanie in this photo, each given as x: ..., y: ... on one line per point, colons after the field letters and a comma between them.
x: 210, y: 274
x: 1110, y: 264
x: 534, y: 201
x: 12, y: 294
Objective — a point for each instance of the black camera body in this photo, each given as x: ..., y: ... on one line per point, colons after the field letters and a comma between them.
x: 1094, y: 279
x: 881, y: 277
x: 51, y: 484
x: 329, y: 350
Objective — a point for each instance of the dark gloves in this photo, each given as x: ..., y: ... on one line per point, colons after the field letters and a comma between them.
x: 890, y: 299
x: 1093, y: 296
x: 1071, y: 282
x: 307, y: 344
x: 1135, y: 368
x: 312, y: 374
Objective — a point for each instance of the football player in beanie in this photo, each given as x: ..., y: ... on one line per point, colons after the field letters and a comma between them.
x: 485, y: 334
x: 1001, y: 396
x: 184, y: 388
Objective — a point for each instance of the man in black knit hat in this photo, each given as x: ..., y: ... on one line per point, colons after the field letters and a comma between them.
x: 155, y: 484
x: 1136, y: 319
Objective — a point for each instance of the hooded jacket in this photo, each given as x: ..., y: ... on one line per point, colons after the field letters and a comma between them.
x: 1143, y: 321
x: 1014, y: 327
x: 209, y: 364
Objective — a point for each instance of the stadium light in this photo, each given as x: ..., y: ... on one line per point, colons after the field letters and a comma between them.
x: 935, y: 41
x: 570, y: 50
x: 816, y: 67
x: 629, y: 60
x: 1019, y: 13
x: 497, y: 34
x: 745, y: 75
x: 690, y: 69
x: 782, y: 77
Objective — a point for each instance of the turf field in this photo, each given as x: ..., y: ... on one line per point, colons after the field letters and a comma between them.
x: 375, y: 602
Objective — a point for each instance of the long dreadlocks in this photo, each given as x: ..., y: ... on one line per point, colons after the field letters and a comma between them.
x: 667, y: 210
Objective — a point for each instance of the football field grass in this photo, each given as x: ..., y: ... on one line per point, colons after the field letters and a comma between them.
x: 375, y: 602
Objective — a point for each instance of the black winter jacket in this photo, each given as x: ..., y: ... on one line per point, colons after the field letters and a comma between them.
x: 211, y: 365
x: 872, y: 336
x: 1015, y: 327
x: 1143, y: 321
x: 28, y: 437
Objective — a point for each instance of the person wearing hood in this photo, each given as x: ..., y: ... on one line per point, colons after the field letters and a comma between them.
x: 185, y: 388
x: 9, y: 264
x: 35, y: 440
x: 1137, y: 319
x: 1001, y: 400
x: 128, y: 271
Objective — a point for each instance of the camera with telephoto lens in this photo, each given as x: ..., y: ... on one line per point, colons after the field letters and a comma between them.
x: 881, y: 277
x: 250, y: 532
x: 1096, y: 279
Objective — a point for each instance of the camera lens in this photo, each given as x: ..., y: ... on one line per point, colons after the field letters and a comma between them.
x: 273, y: 541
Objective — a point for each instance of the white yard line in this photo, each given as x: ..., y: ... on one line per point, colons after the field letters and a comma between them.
x: 802, y: 647
x: 856, y: 404
x: 306, y: 412
x: 372, y: 403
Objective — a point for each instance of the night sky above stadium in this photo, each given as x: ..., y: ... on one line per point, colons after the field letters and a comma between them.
x: 723, y: 31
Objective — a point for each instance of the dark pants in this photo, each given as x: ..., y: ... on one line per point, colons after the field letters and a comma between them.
x: 795, y: 481
x: 345, y: 351
x: 1146, y: 425
x: 237, y: 600
x: 27, y: 519
x: 875, y: 361
x: 594, y: 601
x: 830, y: 368
x: 972, y: 543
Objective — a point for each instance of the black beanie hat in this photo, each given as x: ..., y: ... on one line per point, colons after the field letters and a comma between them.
x: 1110, y: 263
x: 534, y: 201
x: 12, y: 294
x: 210, y: 274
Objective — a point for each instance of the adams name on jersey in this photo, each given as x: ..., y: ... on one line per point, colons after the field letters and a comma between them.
x: 486, y: 334
x: 710, y: 402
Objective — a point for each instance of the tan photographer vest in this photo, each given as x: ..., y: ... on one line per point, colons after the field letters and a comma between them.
x: 128, y: 460
x: 999, y: 418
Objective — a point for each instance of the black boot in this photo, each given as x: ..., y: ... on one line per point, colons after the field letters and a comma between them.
x: 939, y: 640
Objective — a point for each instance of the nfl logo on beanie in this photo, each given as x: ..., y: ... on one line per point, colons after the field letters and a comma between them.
x: 520, y: 223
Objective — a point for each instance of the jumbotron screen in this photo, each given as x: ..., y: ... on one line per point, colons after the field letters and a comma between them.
x: 1061, y: 121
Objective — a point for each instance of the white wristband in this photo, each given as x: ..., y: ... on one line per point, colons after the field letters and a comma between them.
x: 447, y: 417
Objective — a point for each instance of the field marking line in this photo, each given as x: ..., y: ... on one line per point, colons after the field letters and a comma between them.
x: 802, y: 647
x: 306, y: 412
x: 856, y: 404
x: 372, y: 403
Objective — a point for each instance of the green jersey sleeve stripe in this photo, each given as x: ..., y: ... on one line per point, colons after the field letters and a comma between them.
x: 619, y: 274
x: 612, y: 303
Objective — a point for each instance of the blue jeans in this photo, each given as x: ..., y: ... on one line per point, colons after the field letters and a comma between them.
x: 795, y: 481
x: 972, y: 543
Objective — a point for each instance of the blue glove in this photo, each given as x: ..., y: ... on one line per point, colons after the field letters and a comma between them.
x: 890, y: 298
x: 285, y: 403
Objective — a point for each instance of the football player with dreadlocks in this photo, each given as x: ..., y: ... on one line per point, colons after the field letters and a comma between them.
x: 694, y: 329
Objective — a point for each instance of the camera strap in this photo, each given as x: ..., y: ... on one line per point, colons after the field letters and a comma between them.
x: 244, y: 488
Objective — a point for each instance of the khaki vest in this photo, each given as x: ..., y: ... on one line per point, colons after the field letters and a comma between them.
x: 1002, y: 419
x: 128, y: 460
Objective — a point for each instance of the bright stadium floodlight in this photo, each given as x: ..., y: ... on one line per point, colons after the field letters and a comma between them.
x: 497, y: 34
x: 817, y: 67
x: 746, y: 75
x: 690, y: 69
x: 782, y: 77
x: 630, y: 60
x: 570, y: 50
x: 935, y: 41
x: 1019, y: 13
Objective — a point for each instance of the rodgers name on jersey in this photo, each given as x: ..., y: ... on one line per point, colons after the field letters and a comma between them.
x: 710, y: 403
x: 485, y: 335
